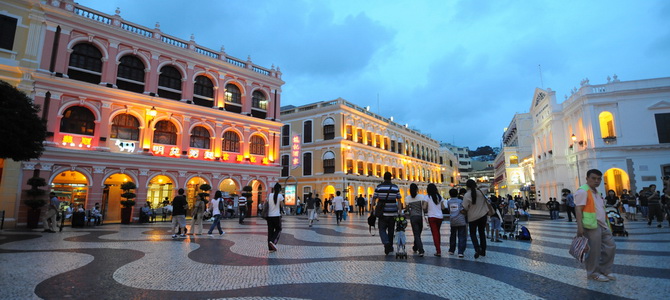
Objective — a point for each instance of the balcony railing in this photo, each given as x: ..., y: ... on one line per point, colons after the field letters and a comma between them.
x: 610, y: 140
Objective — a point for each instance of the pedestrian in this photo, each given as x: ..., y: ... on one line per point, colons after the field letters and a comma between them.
x: 569, y: 204
x: 592, y: 223
x: 310, y: 205
x: 338, y: 206
x: 612, y: 200
x: 388, y: 194
x: 644, y: 204
x: 49, y: 219
x: 179, y: 206
x: 496, y: 220
x: 275, y: 202
x: 242, y: 207
x: 435, y: 217
x: 360, y: 202
x: 553, y: 208
x: 457, y: 224
x: 474, y: 203
x: 217, y: 208
x: 655, y: 208
x: 197, y: 215
x: 96, y: 214
x: 417, y: 205
x: 317, y: 207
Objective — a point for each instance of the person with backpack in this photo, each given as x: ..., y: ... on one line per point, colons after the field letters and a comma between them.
x: 274, y: 203
x: 216, y: 206
x: 457, y: 224
x: 387, y: 196
x: 474, y: 203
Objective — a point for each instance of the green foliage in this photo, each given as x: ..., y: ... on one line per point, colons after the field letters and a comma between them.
x: 35, y: 203
x: 126, y: 187
x: 37, y: 182
x: 34, y: 192
x: 205, y: 187
x: 246, y: 191
x: 20, y: 124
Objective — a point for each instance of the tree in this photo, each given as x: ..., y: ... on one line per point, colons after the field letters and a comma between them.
x: 20, y: 125
x: 126, y: 187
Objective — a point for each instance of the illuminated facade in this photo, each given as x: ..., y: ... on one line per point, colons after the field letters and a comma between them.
x: 335, y: 145
x: 517, y: 140
x: 621, y: 128
x: 125, y: 102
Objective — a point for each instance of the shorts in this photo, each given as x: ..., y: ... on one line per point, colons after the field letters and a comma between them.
x: 495, y: 224
x: 179, y: 219
x: 629, y: 208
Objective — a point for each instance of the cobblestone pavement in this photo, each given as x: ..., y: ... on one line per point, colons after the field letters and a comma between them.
x: 326, y: 261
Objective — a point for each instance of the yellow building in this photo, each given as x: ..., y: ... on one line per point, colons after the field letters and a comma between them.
x: 335, y: 145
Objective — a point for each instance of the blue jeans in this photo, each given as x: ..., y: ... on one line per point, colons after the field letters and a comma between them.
x: 386, y: 230
x: 458, y: 231
x: 645, y: 211
x: 554, y: 215
x: 217, y: 224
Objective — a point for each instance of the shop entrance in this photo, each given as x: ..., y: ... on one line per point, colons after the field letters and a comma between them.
x: 193, y: 189
x: 111, y: 197
x: 71, y: 187
x: 159, y: 191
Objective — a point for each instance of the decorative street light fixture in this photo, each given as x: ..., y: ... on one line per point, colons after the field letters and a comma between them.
x: 574, y: 139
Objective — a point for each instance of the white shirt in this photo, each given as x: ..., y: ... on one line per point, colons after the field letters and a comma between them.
x: 599, y: 203
x: 435, y: 210
x: 338, y: 203
x: 274, y: 209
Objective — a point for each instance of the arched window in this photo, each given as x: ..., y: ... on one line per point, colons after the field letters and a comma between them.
x: 200, y: 137
x: 125, y: 127
x: 513, y: 160
x: 130, y: 74
x: 258, y: 100
x: 203, y: 91
x: 328, y: 129
x: 231, y: 141
x: 607, y: 129
x: 85, y: 63
x: 307, y: 131
x: 165, y: 133
x: 169, y: 83
x: 329, y: 162
x: 257, y: 145
x: 307, y: 164
x: 233, y: 98
x: 78, y: 120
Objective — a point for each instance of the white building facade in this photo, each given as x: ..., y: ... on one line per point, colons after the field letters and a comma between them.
x: 517, y: 142
x: 621, y: 128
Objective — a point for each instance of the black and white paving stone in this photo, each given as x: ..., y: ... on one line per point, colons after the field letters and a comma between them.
x: 326, y: 261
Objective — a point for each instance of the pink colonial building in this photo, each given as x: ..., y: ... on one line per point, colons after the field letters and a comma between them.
x: 124, y: 102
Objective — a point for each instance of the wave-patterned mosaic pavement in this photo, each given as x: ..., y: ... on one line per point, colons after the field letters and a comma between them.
x: 326, y: 261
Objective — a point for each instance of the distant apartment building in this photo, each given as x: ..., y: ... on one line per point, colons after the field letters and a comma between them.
x: 125, y: 102
x: 464, y: 161
x: 331, y: 146
x: 517, y: 142
x: 621, y: 128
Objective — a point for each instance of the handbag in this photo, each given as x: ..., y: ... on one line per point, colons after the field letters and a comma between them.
x: 379, y: 207
x: 266, y: 209
x: 579, y: 248
x: 491, y: 211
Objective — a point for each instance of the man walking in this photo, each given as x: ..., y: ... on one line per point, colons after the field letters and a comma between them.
x: 389, y: 195
x: 51, y: 214
x: 569, y: 204
x: 179, y: 206
x: 338, y: 206
x: 592, y: 223
x: 360, y: 202
x: 310, y: 205
x: 242, y: 207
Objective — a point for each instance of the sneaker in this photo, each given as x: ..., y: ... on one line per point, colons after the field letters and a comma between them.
x: 272, y: 246
x: 272, y: 251
x: 610, y: 277
x: 183, y: 236
x: 461, y: 256
x: 209, y: 235
x: 599, y: 277
x: 420, y: 254
x: 310, y: 225
x: 174, y: 236
x: 438, y: 254
x: 451, y: 253
x: 222, y: 233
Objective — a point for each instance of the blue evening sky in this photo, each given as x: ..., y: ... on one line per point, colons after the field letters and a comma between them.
x: 455, y: 70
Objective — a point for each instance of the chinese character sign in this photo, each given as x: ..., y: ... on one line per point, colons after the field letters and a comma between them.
x: 295, y: 152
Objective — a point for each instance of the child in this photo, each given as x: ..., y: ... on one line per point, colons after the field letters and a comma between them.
x: 401, y: 239
x: 457, y: 221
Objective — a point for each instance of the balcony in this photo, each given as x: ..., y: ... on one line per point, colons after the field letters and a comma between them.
x: 610, y: 140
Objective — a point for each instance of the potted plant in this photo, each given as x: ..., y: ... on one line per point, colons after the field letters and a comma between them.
x: 35, y: 200
x: 127, y: 210
x: 205, y: 188
x: 246, y: 192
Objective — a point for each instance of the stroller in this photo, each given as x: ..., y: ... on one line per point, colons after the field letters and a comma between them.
x: 400, y: 238
x: 616, y: 221
x: 510, y: 223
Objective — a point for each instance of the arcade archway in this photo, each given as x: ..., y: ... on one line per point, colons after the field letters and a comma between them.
x: 71, y: 186
x: 159, y: 190
x: 110, y: 205
x: 616, y: 179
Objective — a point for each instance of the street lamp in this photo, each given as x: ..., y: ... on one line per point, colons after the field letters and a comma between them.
x: 574, y: 139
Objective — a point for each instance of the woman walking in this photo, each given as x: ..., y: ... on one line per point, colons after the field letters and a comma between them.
x: 216, y: 207
x: 417, y: 205
x: 275, y: 202
x: 198, y: 212
x: 474, y: 203
x: 435, y: 205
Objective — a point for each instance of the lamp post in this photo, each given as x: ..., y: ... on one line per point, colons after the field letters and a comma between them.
x: 574, y: 139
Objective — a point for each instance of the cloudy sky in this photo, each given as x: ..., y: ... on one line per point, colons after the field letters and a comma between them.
x: 455, y: 70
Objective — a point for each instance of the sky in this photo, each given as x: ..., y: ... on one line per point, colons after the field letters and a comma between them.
x: 457, y: 71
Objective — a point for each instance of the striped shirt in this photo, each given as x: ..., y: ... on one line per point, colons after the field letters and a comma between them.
x: 389, y: 194
x: 242, y: 201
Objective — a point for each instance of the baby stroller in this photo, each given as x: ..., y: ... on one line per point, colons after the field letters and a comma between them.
x: 616, y: 222
x: 400, y: 238
x: 510, y: 222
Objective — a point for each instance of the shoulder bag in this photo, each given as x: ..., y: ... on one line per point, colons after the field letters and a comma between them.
x: 490, y: 207
x: 266, y: 209
x: 379, y: 207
